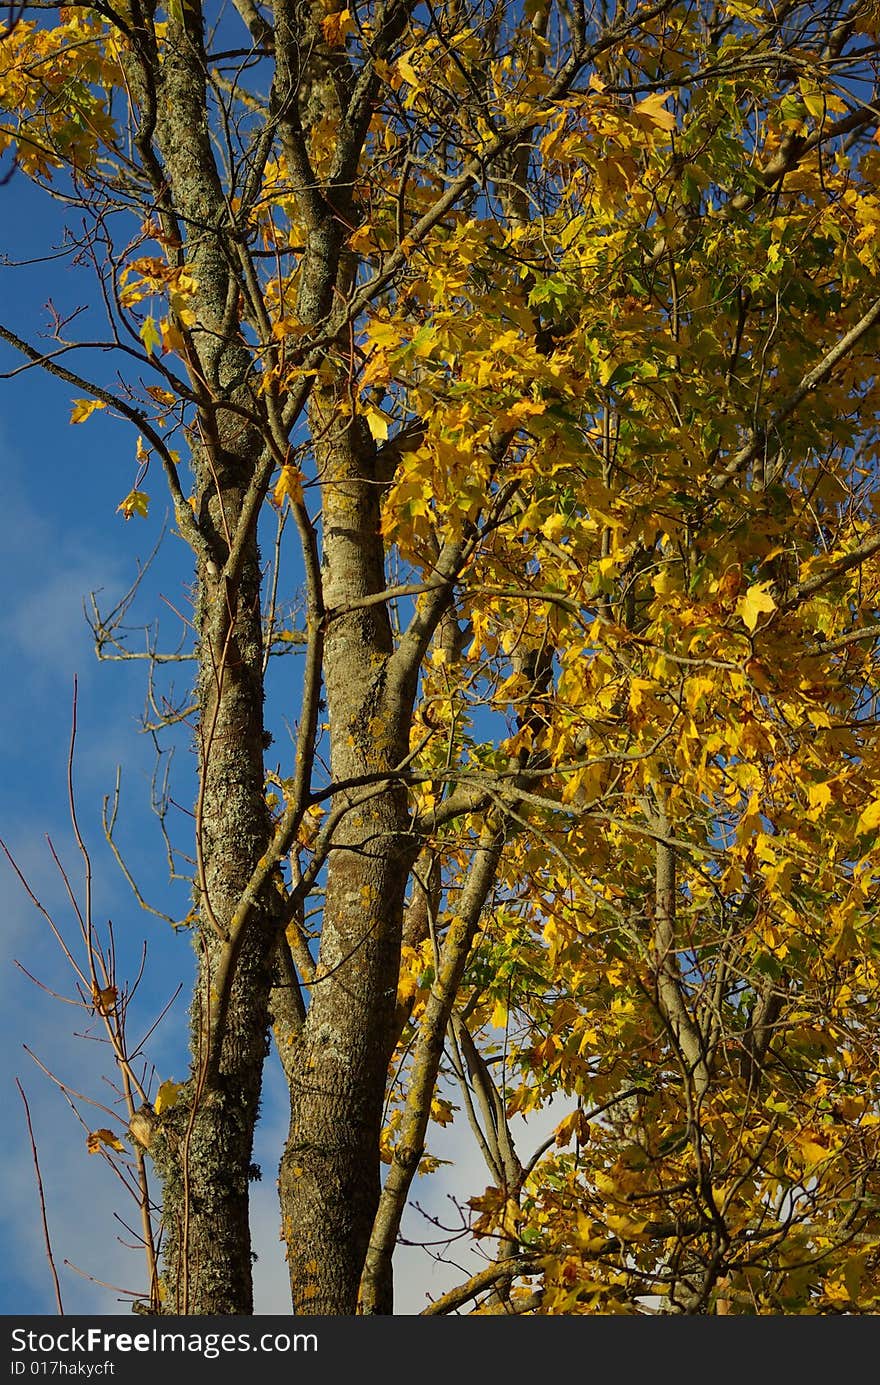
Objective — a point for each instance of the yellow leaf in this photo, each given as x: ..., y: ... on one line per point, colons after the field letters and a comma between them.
x: 167, y: 1096
x: 172, y: 339
x: 135, y: 503
x: 362, y: 239
x: 499, y: 1015
x: 287, y: 327
x: 383, y: 333
x: 639, y: 692
x: 554, y: 527
x: 626, y: 1227
x: 442, y: 1112
x: 652, y: 108
x: 870, y: 818
x: 697, y: 689
x: 812, y: 1152
x: 84, y: 408
x: 97, y: 1138
x: 813, y: 101
x: 756, y: 600
x: 289, y: 484
x: 510, y: 1218
x: 406, y: 988
x: 818, y: 103
x: 336, y: 27
x: 150, y: 336
x: 819, y: 796
x: 407, y: 71
x: 377, y: 423
x: 573, y: 1125
x: 853, y: 1271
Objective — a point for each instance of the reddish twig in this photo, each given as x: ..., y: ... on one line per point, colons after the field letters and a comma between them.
x: 46, y: 1237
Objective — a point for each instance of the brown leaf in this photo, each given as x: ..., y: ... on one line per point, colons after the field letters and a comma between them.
x: 105, y: 1000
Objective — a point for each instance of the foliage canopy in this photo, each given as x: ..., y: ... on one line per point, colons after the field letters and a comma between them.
x: 545, y: 334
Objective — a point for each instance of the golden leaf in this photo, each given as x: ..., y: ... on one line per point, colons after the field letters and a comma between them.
x: 812, y: 1152
x: 407, y: 71
x: 135, y: 503
x: 756, y: 600
x: 499, y: 1015
x: 336, y: 27
x: 819, y: 795
x: 150, y: 336
x: 377, y: 423
x: 84, y: 408
x: 554, y: 527
x: 167, y: 1096
x: 870, y: 818
x: 362, y: 239
x: 172, y: 339
x: 98, y: 1138
x: 289, y: 484
x: 652, y: 108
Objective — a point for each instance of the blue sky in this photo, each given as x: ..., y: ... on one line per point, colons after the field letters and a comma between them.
x: 60, y: 539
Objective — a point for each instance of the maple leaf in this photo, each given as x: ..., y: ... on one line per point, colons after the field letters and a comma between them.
x: 377, y: 422
x: 135, y: 503
x: 756, y: 601
x: 813, y: 1153
x: 406, y: 69
x: 289, y: 484
x: 100, y: 1139
x: 442, y: 1111
x: 150, y: 335
x: 652, y: 109
x: 84, y: 408
x: 167, y: 1096
x: 554, y: 527
x: 171, y: 336
x: 336, y: 27
x: 161, y: 396
x: 498, y: 1019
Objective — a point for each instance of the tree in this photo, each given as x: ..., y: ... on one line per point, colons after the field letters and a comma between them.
x: 549, y: 335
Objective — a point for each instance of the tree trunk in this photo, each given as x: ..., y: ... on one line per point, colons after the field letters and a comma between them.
x: 330, y: 1169
x: 203, y: 1146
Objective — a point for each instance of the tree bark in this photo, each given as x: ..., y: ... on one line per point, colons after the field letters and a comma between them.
x: 203, y: 1145
x: 329, y: 1182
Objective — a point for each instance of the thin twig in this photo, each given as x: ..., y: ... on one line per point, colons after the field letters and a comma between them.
x: 46, y: 1237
